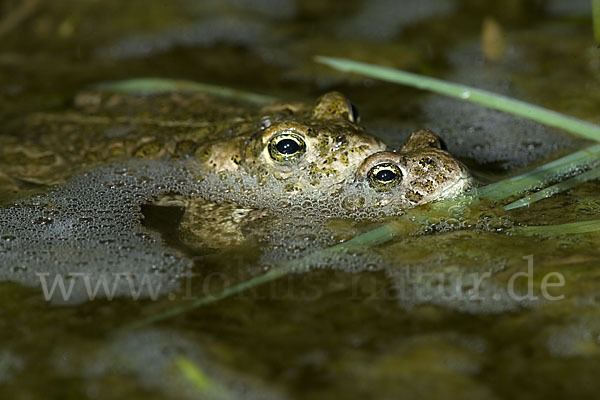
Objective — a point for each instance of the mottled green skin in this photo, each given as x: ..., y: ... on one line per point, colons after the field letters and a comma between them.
x: 223, y: 135
x: 425, y: 173
x: 226, y: 138
x: 100, y: 127
x: 220, y: 135
x: 335, y: 144
x: 335, y: 147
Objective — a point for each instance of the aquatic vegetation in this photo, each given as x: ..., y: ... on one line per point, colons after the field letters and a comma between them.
x: 483, y: 97
x: 542, y: 175
x: 417, y: 220
x: 324, y: 296
x: 554, y: 189
x: 596, y: 19
x: 537, y: 177
x: 161, y: 85
x: 494, y: 140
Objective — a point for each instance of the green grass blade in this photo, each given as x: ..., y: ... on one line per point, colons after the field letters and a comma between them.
x: 596, y: 20
x: 573, y: 228
x: 554, y: 189
x: 160, y: 85
x: 467, y: 93
x: 209, y: 389
x: 193, y: 373
x: 401, y: 227
x: 411, y: 222
x: 539, y: 176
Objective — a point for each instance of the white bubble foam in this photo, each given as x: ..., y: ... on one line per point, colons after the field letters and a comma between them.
x: 488, y: 136
x: 89, y: 228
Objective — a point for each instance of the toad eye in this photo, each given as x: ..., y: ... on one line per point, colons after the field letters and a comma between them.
x: 385, y: 175
x: 286, y: 146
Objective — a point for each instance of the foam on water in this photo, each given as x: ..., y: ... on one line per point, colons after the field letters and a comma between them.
x: 213, y: 24
x: 392, y: 16
x: 488, y: 136
x: 90, y: 229
x: 572, y: 8
x: 459, y: 289
x: 203, y: 34
x: 88, y: 235
x: 300, y: 216
x: 301, y: 231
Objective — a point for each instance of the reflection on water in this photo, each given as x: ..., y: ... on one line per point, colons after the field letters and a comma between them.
x: 465, y: 309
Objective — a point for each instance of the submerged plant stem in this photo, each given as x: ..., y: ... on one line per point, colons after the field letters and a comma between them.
x: 161, y: 85
x: 539, y: 176
x: 11, y: 20
x: 207, y: 387
x: 596, y: 20
x: 194, y: 373
x: 571, y: 228
x: 412, y: 222
x: 554, y: 189
x: 467, y: 93
x: 376, y: 236
x: 227, y: 292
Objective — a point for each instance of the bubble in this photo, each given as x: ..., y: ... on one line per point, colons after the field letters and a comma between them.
x: 90, y: 227
x: 484, y: 135
x: 353, y: 203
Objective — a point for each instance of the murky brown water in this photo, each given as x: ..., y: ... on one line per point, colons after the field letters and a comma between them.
x: 405, y: 325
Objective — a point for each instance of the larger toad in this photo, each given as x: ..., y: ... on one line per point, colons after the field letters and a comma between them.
x: 280, y: 140
x: 318, y: 146
x: 306, y: 148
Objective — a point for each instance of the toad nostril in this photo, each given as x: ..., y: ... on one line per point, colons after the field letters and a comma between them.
x: 265, y: 122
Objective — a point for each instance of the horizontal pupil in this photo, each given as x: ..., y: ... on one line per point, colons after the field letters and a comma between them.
x: 385, y: 175
x: 287, y: 146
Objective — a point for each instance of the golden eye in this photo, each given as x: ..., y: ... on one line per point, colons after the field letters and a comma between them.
x: 385, y: 175
x: 286, y: 146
